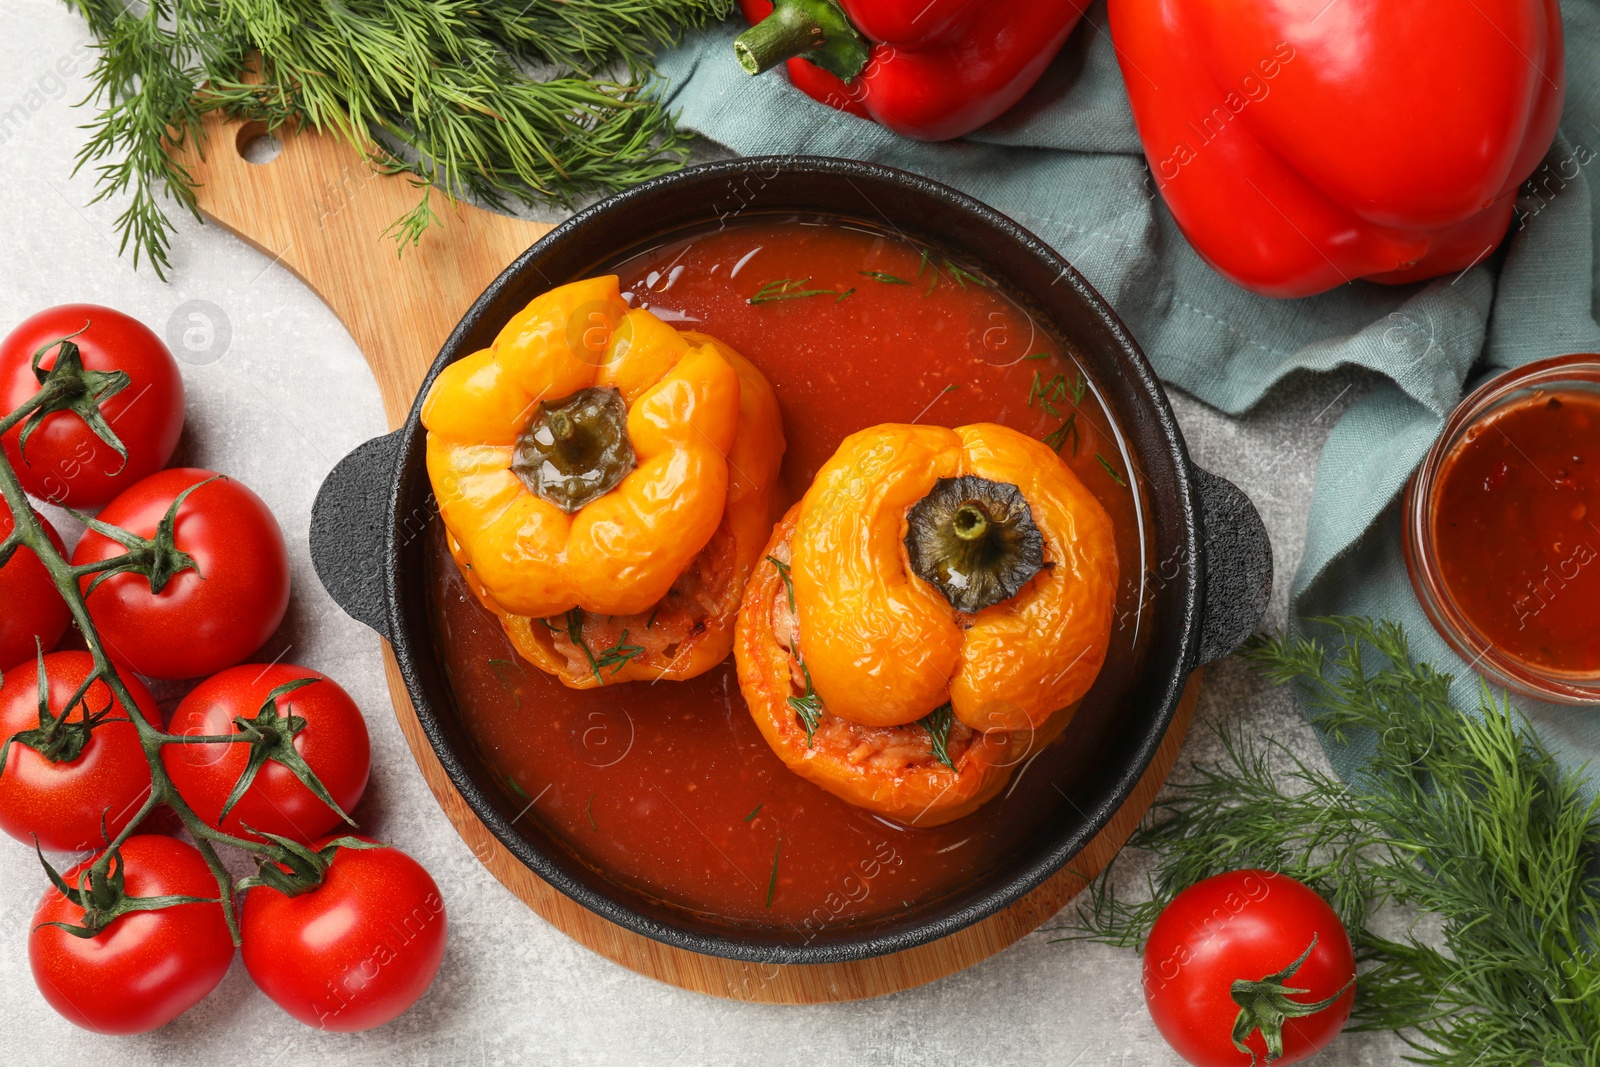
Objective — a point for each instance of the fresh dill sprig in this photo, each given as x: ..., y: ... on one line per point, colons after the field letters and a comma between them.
x: 792, y: 289
x: 1058, y: 437
x: 960, y: 275
x: 808, y: 708
x: 772, y: 883
x: 1109, y: 469
x: 885, y: 278
x: 500, y: 668
x: 1464, y: 816
x: 437, y: 88
x: 1052, y: 392
x: 937, y: 722
x: 617, y: 656
x: 147, y: 72
x: 575, y: 635
x: 408, y: 230
x: 788, y: 581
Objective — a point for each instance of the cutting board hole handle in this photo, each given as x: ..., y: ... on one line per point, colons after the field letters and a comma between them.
x: 255, y: 145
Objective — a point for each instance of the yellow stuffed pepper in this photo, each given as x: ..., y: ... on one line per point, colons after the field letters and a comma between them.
x: 926, y: 616
x: 607, y: 483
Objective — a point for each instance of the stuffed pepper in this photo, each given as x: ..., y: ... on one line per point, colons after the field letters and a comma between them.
x: 929, y: 613
x: 607, y: 484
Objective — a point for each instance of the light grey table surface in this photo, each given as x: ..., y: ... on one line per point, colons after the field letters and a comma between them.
x: 291, y: 394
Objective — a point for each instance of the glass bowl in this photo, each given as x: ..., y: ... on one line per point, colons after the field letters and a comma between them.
x: 1579, y: 372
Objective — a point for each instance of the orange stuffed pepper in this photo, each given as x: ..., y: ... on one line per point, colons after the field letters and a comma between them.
x: 607, y: 484
x: 927, y: 615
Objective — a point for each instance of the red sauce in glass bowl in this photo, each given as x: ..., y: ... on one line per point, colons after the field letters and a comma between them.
x: 669, y: 787
x: 1516, y: 529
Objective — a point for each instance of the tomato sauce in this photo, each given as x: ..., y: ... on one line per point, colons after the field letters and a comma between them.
x: 1517, y: 530
x: 669, y: 787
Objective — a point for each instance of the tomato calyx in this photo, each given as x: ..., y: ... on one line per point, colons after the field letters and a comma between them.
x: 56, y: 738
x: 102, y: 895
x: 68, y: 386
x: 1264, y: 1005
x: 157, y: 558
x: 306, y: 866
x: 270, y: 734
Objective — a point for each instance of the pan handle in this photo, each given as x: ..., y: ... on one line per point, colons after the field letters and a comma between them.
x: 1238, y: 566
x: 348, y: 530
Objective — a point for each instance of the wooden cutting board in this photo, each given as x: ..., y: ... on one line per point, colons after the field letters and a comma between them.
x: 320, y: 210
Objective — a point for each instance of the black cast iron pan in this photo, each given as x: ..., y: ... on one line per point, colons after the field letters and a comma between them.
x: 1207, y: 574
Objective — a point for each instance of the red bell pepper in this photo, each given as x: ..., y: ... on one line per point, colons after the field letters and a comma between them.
x: 1302, y: 144
x: 928, y: 69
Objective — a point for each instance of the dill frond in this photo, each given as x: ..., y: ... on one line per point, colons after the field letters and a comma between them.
x: 441, y: 89
x: 1463, y: 816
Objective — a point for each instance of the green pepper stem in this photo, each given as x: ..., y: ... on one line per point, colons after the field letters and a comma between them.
x: 814, y: 29
x: 970, y: 523
x: 786, y: 33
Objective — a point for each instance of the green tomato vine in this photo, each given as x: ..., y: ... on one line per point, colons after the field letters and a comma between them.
x: 68, y: 388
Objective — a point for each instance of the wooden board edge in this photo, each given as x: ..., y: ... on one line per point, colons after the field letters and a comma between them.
x: 791, y: 983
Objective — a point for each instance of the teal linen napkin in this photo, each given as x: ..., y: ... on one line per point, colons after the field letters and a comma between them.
x: 1066, y: 163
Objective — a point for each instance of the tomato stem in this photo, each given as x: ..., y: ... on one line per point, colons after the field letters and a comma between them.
x: 28, y: 531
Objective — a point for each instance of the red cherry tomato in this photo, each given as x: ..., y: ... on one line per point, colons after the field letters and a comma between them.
x: 1249, y: 926
x: 205, y: 619
x: 32, y: 607
x: 146, y: 968
x: 65, y: 462
x: 62, y: 803
x: 356, y: 951
x: 333, y: 744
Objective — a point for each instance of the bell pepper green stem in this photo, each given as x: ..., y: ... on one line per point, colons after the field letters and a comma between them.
x: 817, y: 30
x: 970, y: 523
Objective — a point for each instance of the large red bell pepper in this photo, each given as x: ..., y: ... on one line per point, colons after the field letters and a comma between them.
x: 1302, y: 144
x: 929, y: 69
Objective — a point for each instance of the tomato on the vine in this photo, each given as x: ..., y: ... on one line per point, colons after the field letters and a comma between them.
x: 356, y: 951
x: 33, y: 613
x: 102, y: 773
x: 65, y: 462
x: 144, y: 968
x: 1248, y: 967
x: 206, y: 617
x: 328, y: 734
